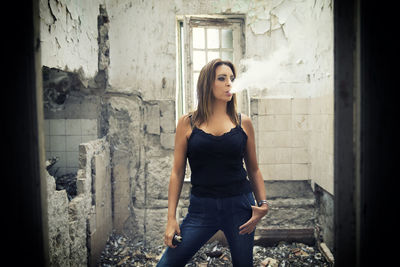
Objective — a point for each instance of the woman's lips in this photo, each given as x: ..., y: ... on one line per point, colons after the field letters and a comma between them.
x: 228, y: 93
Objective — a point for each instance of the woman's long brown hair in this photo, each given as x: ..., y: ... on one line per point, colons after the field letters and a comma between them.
x: 205, y: 95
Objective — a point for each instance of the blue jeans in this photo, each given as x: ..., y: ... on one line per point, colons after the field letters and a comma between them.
x: 204, y: 218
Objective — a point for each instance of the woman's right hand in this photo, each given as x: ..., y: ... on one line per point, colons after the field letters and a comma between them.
x: 172, y: 229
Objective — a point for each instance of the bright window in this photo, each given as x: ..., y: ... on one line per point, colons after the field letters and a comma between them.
x: 201, y: 39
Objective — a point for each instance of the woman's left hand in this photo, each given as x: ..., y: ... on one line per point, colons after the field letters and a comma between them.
x: 250, y: 225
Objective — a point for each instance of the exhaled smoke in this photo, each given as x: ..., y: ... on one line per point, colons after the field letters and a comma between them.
x: 263, y: 74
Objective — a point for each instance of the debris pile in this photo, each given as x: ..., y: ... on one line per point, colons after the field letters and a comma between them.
x: 285, y: 255
x: 65, y: 182
x: 211, y: 254
x: 120, y: 251
x: 68, y: 182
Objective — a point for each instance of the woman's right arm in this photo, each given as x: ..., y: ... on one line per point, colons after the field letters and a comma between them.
x: 176, y: 178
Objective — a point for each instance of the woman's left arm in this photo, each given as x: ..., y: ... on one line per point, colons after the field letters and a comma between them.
x: 255, y: 177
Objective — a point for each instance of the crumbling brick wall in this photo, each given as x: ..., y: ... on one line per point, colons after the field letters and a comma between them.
x: 78, y: 229
x: 141, y: 135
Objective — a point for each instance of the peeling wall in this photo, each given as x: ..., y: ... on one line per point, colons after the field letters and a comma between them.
x: 68, y: 34
x: 142, y: 37
x: 303, y: 27
x: 73, y: 78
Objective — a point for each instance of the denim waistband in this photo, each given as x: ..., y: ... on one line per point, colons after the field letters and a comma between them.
x: 210, y: 205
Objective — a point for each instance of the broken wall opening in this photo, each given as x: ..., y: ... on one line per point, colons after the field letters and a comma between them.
x: 75, y: 76
x: 79, y: 227
x: 70, y: 118
x: 80, y: 204
x: 71, y: 98
x: 80, y: 209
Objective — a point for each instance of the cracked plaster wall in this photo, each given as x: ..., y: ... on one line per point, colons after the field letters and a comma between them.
x: 147, y: 62
x: 68, y: 34
x: 303, y: 29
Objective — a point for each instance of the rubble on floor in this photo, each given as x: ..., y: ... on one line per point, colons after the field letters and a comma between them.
x: 65, y: 182
x: 119, y: 251
x: 284, y: 255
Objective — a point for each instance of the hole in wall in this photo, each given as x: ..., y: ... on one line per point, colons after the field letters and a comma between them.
x: 66, y: 181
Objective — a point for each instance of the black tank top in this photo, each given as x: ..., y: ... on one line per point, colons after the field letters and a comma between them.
x: 216, y: 162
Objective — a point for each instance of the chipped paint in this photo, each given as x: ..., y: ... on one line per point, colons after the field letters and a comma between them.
x: 260, y: 26
x: 69, y: 34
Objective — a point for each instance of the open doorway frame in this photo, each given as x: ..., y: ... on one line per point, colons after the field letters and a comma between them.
x: 363, y: 136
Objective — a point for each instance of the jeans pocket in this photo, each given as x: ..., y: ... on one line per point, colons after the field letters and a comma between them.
x: 247, y: 201
x: 250, y: 199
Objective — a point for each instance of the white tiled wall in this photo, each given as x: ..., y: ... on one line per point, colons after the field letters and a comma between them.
x: 283, y: 138
x: 295, y: 139
x: 322, y: 140
x: 63, y: 137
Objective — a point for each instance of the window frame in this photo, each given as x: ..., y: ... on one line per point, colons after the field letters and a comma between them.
x: 185, y: 58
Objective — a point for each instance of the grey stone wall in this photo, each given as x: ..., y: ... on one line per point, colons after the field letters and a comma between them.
x: 58, y: 225
x: 78, y: 229
x: 325, y: 216
x: 141, y: 135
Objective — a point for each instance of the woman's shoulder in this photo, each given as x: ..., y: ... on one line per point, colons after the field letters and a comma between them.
x: 184, y: 126
x: 245, y: 119
x: 185, y: 120
x: 247, y: 125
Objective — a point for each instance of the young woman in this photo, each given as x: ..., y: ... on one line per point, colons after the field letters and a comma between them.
x: 215, y: 139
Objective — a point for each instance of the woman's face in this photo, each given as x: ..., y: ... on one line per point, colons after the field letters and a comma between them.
x: 223, y: 83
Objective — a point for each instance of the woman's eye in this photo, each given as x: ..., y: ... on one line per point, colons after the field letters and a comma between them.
x: 221, y: 79
x: 232, y: 79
